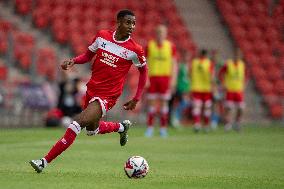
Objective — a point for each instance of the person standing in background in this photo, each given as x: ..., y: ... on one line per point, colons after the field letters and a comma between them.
x: 217, y: 107
x: 182, y: 89
x: 202, y: 79
x: 233, y: 76
x: 161, y: 56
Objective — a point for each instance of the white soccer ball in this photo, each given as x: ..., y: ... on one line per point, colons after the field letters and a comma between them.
x: 136, y: 167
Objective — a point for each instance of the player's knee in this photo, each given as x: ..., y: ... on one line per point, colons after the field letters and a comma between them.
x: 93, y: 126
x: 83, y: 121
x: 196, y: 110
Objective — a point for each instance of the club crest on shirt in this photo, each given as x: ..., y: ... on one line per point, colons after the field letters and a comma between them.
x: 103, y: 45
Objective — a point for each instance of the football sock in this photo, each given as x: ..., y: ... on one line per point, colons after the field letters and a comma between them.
x: 206, y: 120
x: 164, y: 120
x: 207, y: 115
x: 108, y: 127
x: 70, y: 135
x: 196, y: 113
x: 150, y: 116
x: 150, y: 119
x: 164, y: 116
x: 196, y: 119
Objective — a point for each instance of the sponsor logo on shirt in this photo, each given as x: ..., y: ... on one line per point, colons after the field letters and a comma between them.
x: 109, y: 59
x: 124, y: 54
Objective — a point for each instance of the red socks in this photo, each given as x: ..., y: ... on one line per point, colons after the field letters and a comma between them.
x: 70, y: 135
x: 150, y: 119
x: 108, y: 127
x: 61, y: 145
x: 164, y: 119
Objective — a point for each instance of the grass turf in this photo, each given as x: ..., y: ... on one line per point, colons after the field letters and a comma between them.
x: 251, y: 159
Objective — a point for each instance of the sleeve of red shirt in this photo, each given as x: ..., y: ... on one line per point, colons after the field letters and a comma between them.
x: 140, y: 62
x: 141, y: 82
x: 174, y: 51
x: 83, y: 58
x: 89, y: 54
x: 222, y: 72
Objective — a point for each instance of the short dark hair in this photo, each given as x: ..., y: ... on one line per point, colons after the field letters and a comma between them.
x: 203, y: 52
x: 123, y: 13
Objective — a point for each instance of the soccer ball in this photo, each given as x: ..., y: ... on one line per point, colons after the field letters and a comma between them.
x: 136, y: 167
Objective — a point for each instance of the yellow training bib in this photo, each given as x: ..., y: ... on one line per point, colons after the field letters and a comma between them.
x: 235, y: 76
x: 201, y: 75
x: 159, y: 59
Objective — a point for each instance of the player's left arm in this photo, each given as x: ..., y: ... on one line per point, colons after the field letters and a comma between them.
x: 246, y: 76
x: 140, y: 63
x: 174, y: 68
x: 213, y: 77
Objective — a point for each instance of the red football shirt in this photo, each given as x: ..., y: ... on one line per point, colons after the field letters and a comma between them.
x: 112, y: 62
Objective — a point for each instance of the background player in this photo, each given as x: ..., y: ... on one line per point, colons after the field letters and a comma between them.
x: 182, y: 89
x: 114, y: 53
x: 202, y: 79
x: 233, y: 75
x: 161, y: 56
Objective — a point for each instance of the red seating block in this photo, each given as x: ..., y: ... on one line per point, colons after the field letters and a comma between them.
x: 276, y: 111
x: 3, y: 71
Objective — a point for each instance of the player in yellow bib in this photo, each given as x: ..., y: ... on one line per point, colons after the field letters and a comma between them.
x: 202, y: 73
x: 232, y: 76
x: 161, y: 58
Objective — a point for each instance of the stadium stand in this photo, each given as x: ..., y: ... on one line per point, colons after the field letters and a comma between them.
x: 22, y: 62
x: 84, y: 16
x: 24, y: 50
x: 259, y: 34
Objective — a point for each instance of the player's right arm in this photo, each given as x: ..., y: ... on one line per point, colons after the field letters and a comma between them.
x: 83, y: 58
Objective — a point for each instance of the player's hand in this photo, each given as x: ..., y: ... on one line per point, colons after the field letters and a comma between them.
x: 66, y: 64
x: 130, y: 105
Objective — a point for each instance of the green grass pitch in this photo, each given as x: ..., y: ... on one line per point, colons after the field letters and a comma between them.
x: 251, y: 159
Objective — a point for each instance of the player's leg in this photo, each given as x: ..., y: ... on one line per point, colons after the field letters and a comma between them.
x: 182, y: 105
x: 164, y: 117
x: 103, y: 127
x: 164, y: 91
x: 207, y: 114
x: 240, y: 105
x: 150, y: 116
x: 197, y: 107
x: 229, y: 106
x: 85, y: 119
x: 151, y: 102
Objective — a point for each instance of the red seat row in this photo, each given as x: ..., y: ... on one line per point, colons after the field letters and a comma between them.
x: 88, y: 16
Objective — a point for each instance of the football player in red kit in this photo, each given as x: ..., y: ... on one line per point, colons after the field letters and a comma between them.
x: 114, y: 52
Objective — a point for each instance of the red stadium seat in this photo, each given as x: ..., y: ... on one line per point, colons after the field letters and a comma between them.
x: 254, y: 33
x: 258, y: 72
x: 3, y: 71
x: 279, y: 87
x: 41, y: 18
x: 239, y: 33
x: 241, y: 7
x: 265, y: 87
x: 23, y: 6
x: 276, y: 111
x: 3, y: 43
